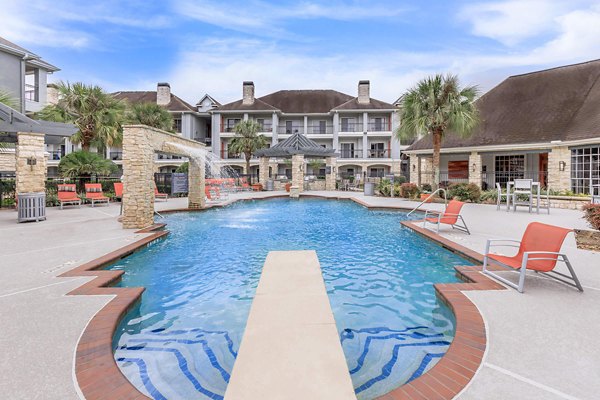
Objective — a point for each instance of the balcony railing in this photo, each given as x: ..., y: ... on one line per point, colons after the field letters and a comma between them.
x: 379, y: 153
x: 382, y: 126
x: 116, y: 155
x: 55, y: 155
x: 351, y: 127
x: 266, y: 127
x: 227, y: 155
x: 320, y: 129
x: 168, y: 157
x: 31, y: 92
x: 290, y: 129
x: 350, y: 153
x: 228, y: 128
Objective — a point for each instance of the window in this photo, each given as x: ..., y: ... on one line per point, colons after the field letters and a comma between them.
x: 347, y: 125
x: 378, y: 124
x: 261, y: 123
x: 377, y: 172
x: 377, y: 150
x: 347, y: 150
x: 231, y: 123
x: 177, y: 124
x: 585, y: 169
x: 289, y: 127
x: 322, y: 127
x: 509, y: 167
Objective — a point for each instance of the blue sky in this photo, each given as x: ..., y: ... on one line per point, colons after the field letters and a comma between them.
x: 212, y: 46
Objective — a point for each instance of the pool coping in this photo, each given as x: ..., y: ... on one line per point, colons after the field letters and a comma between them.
x: 99, y: 376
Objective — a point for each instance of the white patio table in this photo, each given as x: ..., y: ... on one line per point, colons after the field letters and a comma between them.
x: 535, y: 185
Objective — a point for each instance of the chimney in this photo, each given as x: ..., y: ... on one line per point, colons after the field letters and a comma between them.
x: 363, y: 92
x: 248, y: 93
x: 163, y: 93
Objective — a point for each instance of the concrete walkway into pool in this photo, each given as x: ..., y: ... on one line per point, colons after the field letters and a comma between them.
x: 291, y: 348
x: 541, y: 344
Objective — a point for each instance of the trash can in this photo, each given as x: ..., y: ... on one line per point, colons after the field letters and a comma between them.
x: 31, y: 206
x: 270, y: 185
x: 369, y: 189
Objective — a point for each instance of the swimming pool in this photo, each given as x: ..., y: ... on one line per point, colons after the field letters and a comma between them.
x: 182, y: 339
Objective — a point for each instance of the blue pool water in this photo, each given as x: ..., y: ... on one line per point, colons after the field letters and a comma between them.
x: 182, y: 339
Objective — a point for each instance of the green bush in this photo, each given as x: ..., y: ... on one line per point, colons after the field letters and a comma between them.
x: 409, y: 190
x: 489, y: 196
x: 464, y: 192
x: 426, y: 187
x: 400, y: 179
x: 592, y: 215
x: 183, y: 168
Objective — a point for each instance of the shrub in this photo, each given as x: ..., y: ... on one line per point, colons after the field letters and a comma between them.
x: 489, y: 196
x: 592, y: 215
x: 400, y: 179
x: 464, y: 192
x: 409, y: 190
x: 426, y: 187
x: 183, y: 168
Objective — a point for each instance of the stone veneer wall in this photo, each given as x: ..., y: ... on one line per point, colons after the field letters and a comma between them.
x: 475, y: 166
x: 140, y: 142
x: 30, y: 178
x: 8, y: 162
x: 557, y: 179
x: 331, y: 177
x: 298, y: 171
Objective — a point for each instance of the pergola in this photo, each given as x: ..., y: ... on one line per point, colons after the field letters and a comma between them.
x: 297, y: 147
x: 30, y: 137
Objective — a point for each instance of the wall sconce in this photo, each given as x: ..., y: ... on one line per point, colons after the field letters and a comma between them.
x: 474, y: 168
x: 301, y: 168
x: 561, y: 166
x: 414, y: 167
x: 31, y: 161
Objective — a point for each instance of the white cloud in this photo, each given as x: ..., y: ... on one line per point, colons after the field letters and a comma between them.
x: 267, y: 19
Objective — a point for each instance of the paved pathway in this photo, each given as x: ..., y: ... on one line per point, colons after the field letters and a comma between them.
x: 542, y: 344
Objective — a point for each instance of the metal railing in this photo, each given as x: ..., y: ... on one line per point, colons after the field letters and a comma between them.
x: 382, y: 126
x: 351, y: 127
x: 266, y: 127
x: 32, y: 92
x: 320, y: 129
x: 346, y: 153
x: 290, y: 129
x: 56, y: 155
x: 377, y: 153
x: 429, y: 198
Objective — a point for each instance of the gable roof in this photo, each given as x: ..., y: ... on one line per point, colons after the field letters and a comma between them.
x: 296, y: 144
x: 306, y: 102
x: 34, y: 59
x: 209, y: 97
x: 175, y: 105
x: 561, y: 103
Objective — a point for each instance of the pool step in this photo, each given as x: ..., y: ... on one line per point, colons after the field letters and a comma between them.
x: 291, y: 348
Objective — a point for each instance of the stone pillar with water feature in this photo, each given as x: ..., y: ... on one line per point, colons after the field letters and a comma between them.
x: 196, y: 175
x: 331, y: 175
x: 298, y: 171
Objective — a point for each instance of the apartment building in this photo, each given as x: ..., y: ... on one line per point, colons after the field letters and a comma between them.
x: 192, y: 122
x: 360, y: 128
x: 542, y: 125
x: 23, y: 74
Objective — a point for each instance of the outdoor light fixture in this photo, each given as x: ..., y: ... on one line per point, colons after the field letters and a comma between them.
x: 31, y: 161
x: 414, y: 167
x: 474, y: 167
x: 561, y: 166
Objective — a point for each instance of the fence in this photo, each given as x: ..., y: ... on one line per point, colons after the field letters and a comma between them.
x: 488, y: 178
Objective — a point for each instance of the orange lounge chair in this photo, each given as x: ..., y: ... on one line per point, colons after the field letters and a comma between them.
x: 245, y: 186
x: 119, y: 194
x: 538, y: 251
x: 67, y: 194
x: 450, y: 217
x: 158, y: 195
x: 93, y: 192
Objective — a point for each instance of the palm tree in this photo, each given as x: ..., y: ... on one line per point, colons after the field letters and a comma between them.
x: 7, y: 99
x: 247, y: 140
x: 434, y: 106
x: 83, y: 163
x: 97, y: 114
x: 150, y: 114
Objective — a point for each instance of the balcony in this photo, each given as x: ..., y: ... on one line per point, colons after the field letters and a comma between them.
x: 55, y: 155
x: 351, y: 127
x: 266, y: 127
x: 116, y: 155
x: 350, y: 153
x: 381, y: 126
x: 289, y: 129
x: 379, y: 153
x: 32, y: 92
x: 231, y: 156
x: 320, y: 129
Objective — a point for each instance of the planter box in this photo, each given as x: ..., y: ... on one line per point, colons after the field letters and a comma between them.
x: 425, y: 196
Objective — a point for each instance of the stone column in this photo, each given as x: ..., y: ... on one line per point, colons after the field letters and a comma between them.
x: 396, y: 167
x: 305, y: 124
x: 365, y: 141
x: 415, y: 169
x: 138, y: 179
x: 196, y: 184
x: 426, y: 170
x: 263, y: 168
x: 330, y: 178
x: 298, y: 171
x: 275, y: 129
x: 30, y: 178
x: 475, y: 168
x: 557, y: 179
x: 336, y: 131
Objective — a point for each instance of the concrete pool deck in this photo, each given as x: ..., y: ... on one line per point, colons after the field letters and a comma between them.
x: 541, y: 344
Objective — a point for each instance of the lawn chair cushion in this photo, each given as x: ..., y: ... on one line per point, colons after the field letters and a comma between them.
x: 67, y: 188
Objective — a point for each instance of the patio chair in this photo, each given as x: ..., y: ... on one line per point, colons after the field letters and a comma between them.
x: 500, y: 196
x: 211, y: 194
x: 523, y: 187
x: 93, y: 192
x: 245, y: 186
x: 538, y: 251
x: 158, y: 195
x: 119, y: 194
x: 67, y: 194
x: 450, y: 217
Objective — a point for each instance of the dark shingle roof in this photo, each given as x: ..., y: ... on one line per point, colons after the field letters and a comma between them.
x: 258, y: 105
x: 306, y: 101
x: 373, y: 104
x: 176, y: 103
x: 296, y: 144
x: 539, y: 107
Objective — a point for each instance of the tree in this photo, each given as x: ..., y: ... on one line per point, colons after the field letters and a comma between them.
x: 150, y: 114
x: 97, y: 114
x: 434, y: 106
x: 247, y: 140
x: 8, y: 100
x: 84, y: 163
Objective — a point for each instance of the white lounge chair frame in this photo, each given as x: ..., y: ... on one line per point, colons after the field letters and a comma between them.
x: 461, y: 227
